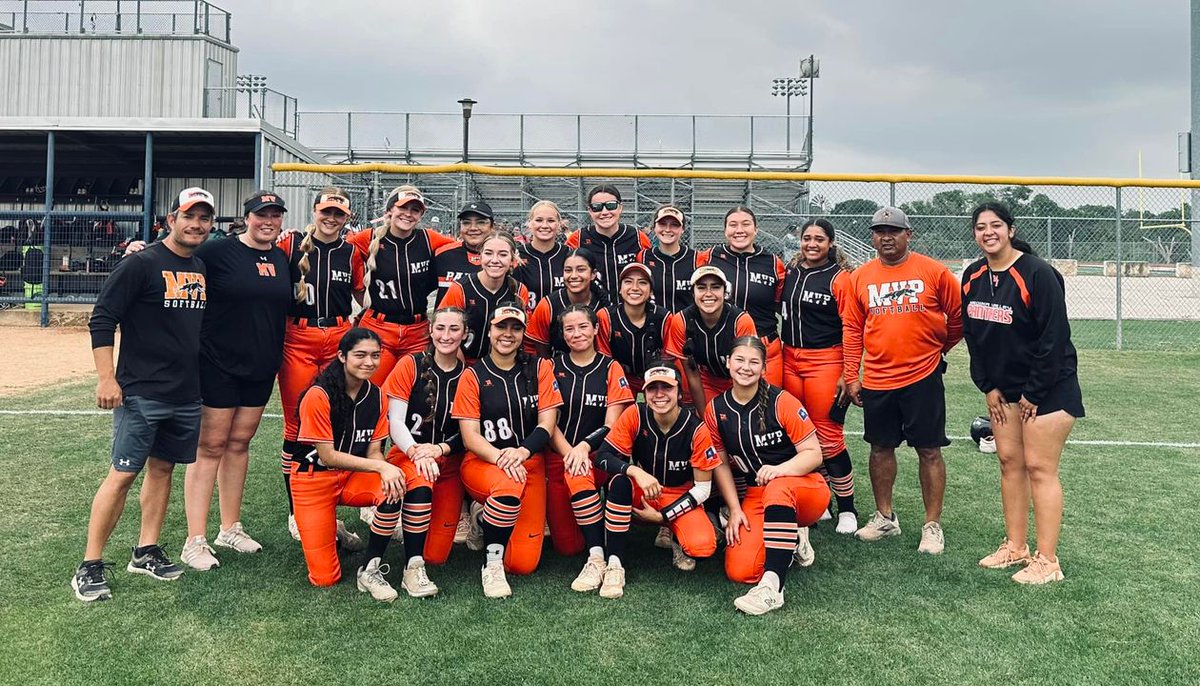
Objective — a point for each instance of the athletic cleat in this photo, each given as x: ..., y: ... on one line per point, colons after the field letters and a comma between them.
x: 495, y: 584
x: 987, y: 444
x: 463, y: 529
x: 475, y: 534
x: 416, y: 581
x: 349, y: 540
x: 879, y: 527
x: 590, y: 577
x: 154, y: 564
x: 1041, y: 570
x: 933, y: 539
x: 680, y: 559
x: 198, y: 554
x: 91, y: 581
x: 847, y: 523
x: 663, y: 538
x: 825, y: 516
x: 371, y: 580
x: 293, y: 529
x: 1006, y: 557
x: 613, y: 586
x: 760, y: 600
x: 804, y: 554
x: 366, y: 515
x: 236, y: 537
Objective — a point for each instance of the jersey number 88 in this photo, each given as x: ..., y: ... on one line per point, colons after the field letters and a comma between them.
x: 497, y: 429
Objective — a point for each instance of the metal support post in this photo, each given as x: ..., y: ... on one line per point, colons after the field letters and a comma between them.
x: 259, y: 163
x: 148, y: 189
x: 46, y: 230
x: 892, y: 194
x: 1049, y: 238
x: 1120, y: 272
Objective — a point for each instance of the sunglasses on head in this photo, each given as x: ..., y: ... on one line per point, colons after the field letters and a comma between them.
x: 610, y: 205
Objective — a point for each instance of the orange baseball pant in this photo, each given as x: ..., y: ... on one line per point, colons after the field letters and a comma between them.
x: 773, y: 372
x: 316, y: 496
x: 713, y: 385
x: 485, y: 480
x: 694, y: 532
x: 807, y: 494
x: 446, y: 506
x: 563, y: 514
x: 397, y: 341
x: 811, y: 374
x: 306, y: 351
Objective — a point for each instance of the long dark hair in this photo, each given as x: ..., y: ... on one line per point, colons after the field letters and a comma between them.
x: 332, y: 380
x: 603, y: 188
x: 598, y: 291
x: 425, y: 368
x: 761, y: 394
x: 1005, y: 216
x: 835, y: 251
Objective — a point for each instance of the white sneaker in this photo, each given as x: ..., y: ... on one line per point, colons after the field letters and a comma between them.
x: 590, y: 577
x: 463, y: 529
x: 293, y: 529
x: 933, y: 539
x: 416, y: 581
x: 879, y: 527
x: 760, y: 600
x: 987, y: 444
x: 825, y: 516
x: 370, y: 580
x: 847, y: 523
x: 475, y: 533
x: 680, y: 559
x: 495, y: 584
x: 663, y: 538
x: 804, y: 554
x: 349, y: 540
x: 198, y: 555
x: 236, y: 537
x: 613, y: 586
x: 366, y: 515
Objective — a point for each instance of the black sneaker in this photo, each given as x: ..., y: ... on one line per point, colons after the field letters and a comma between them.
x: 154, y: 563
x: 91, y: 581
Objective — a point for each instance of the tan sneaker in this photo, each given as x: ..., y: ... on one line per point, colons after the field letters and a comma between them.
x: 933, y: 539
x: 1006, y: 557
x: 680, y: 559
x: 416, y: 581
x: 198, y: 554
x: 236, y: 537
x: 663, y: 538
x: 804, y: 555
x: 349, y: 540
x: 464, y: 527
x: 760, y: 600
x: 366, y: 515
x: 495, y: 584
x: 1041, y: 570
x: 371, y: 580
x: 475, y: 533
x: 879, y: 527
x: 590, y: 577
x: 293, y: 529
x: 613, y: 586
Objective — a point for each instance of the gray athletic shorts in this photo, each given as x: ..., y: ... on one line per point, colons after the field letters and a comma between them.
x: 143, y: 427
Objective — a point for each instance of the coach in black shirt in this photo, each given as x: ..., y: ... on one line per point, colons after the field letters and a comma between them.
x: 157, y: 297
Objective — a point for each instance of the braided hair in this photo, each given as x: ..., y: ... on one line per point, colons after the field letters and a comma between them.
x: 306, y: 245
x: 379, y: 232
x: 332, y: 380
x: 599, y: 294
x: 425, y: 372
x: 763, y: 388
x: 835, y: 251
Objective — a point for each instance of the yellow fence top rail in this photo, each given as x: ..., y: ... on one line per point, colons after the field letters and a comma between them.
x: 740, y: 175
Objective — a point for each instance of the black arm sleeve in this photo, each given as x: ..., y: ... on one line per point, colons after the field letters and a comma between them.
x: 609, y: 460
x: 120, y: 289
x: 1048, y: 308
x: 594, y: 438
x: 456, y: 444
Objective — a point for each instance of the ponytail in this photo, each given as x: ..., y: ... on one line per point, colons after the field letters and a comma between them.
x: 1020, y: 244
x: 372, y: 253
x: 306, y: 246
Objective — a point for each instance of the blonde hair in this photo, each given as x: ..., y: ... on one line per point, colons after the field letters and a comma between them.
x: 306, y: 245
x: 544, y: 203
x: 379, y: 232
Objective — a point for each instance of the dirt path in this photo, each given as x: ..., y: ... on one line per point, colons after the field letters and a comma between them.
x: 32, y: 357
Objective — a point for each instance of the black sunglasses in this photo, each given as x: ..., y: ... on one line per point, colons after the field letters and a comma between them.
x: 600, y: 206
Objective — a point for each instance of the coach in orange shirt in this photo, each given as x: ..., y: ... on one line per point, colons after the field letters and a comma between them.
x: 903, y: 313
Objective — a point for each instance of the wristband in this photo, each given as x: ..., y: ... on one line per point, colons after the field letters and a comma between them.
x: 593, y: 439
x: 536, y: 441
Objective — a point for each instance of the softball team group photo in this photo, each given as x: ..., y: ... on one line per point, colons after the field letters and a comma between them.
x: 486, y: 393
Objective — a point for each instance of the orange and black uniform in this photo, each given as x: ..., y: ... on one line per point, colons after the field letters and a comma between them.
x: 479, y: 302
x: 903, y: 317
x: 431, y: 509
x: 317, y: 489
x: 452, y: 263
x: 1016, y: 328
x: 399, y: 289
x: 752, y: 437
x: 615, y: 252
x: 686, y: 336
x: 671, y: 275
x: 669, y: 456
x: 541, y: 272
x: 544, y: 326
x: 756, y: 285
x: 635, y: 347
x: 573, y: 502
x: 506, y: 404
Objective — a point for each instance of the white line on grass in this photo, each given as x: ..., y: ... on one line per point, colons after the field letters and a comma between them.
x: 1130, y: 444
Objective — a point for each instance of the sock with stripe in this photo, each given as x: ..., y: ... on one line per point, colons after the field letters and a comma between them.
x: 780, y: 537
x: 618, y: 511
x: 289, y: 449
x: 841, y: 480
x: 589, y: 514
x: 417, y: 512
x: 387, y: 517
x: 499, y: 517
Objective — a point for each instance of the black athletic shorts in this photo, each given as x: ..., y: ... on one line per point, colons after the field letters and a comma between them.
x: 915, y: 413
x: 1064, y: 395
x: 144, y: 428
x: 220, y: 389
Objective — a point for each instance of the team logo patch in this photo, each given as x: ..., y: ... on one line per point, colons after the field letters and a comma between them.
x: 555, y: 384
x: 624, y: 383
x: 487, y: 383
x: 803, y: 413
x: 722, y: 417
x: 710, y: 453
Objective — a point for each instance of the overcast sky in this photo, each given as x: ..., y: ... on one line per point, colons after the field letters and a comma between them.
x: 1066, y: 87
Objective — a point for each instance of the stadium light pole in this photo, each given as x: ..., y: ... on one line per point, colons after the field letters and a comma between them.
x: 467, y: 105
x: 787, y: 87
x: 810, y: 69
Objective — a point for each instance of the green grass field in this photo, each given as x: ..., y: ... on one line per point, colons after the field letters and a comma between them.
x: 863, y: 614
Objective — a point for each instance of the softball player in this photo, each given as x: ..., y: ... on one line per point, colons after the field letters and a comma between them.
x: 662, y: 461
x: 427, y: 447
x: 343, y: 423
x: 615, y: 244
x: 461, y: 258
x: 630, y: 331
x: 671, y: 263
x: 767, y: 438
x: 579, y: 275
x: 594, y: 392
x: 479, y: 294
x: 811, y: 332
x: 701, y: 336
x: 540, y: 261
x: 755, y: 282
x: 507, y: 406
x: 399, y: 277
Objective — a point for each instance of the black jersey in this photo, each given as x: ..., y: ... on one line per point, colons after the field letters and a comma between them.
x: 408, y: 383
x: 755, y: 284
x: 506, y: 402
x: 671, y: 276
x: 454, y: 262
x: 686, y: 336
x: 249, y: 294
x: 637, y: 348
x: 808, y: 312
x: 403, y: 277
x: 735, y: 429
x: 335, y: 272
x: 478, y: 302
x: 544, y: 326
x: 541, y: 272
x: 1015, y: 323
x: 587, y: 393
x: 158, y: 300
x: 367, y: 424
x: 612, y: 253
x: 668, y: 456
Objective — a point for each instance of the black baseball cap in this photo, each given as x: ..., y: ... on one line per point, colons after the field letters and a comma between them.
x: 260, y: 199
x: 480, y: 208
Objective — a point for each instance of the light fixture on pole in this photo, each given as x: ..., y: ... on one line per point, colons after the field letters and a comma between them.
x: 467, y: 105
x: 810, y: 69
x: 787, y: 87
